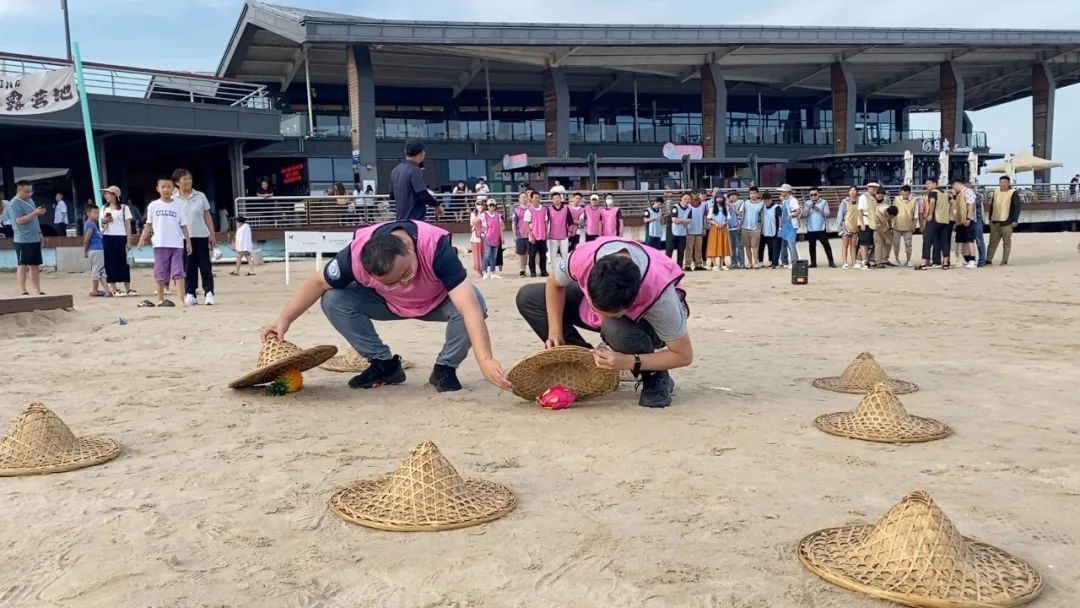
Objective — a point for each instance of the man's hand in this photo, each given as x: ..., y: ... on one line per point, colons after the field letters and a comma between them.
x: 39, y: 211
x: 213, y: 239
x: 142, y: 241
x: 609, y: 359
x: 276, y: 329
x: 187, y: 246
x: 532, y: 239
x: 493, y: 373
x: 554, y: 341
x: 439, y: 211
x: 1015, y: 224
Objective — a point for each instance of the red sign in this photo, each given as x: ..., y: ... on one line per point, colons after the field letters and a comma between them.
x: 292, y: 174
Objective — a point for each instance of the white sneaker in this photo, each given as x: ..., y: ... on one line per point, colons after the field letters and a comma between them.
x: 496, y: 276
x: 209, y: 298
x: 846, y: 266
x: 971, y: 265
x: 189, y: 300
x: 723, y: 268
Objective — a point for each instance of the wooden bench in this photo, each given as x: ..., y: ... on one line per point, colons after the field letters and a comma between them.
x: 32, y: 303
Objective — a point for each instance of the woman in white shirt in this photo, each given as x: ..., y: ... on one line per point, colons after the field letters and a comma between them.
x: 116, y: 221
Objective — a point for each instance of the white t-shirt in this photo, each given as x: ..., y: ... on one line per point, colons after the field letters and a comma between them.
x: 60, y: 215
x: 167, y: 220
x: 194, y: 207
x: 243, y: 239
x: 557, y: 188
x: 865, y: 207
x: 119, y: 218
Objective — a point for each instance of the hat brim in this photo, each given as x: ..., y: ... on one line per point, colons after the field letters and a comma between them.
x: 1014, y: 581
x: 301, y: 361
x: 356, y: 364
x: 364, y: 503
x: 569, y: 366
x: 912, y: 429
x: 840, y: 385
x: 86, y: 452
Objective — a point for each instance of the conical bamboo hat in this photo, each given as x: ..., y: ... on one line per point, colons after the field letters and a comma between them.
x: 915, y: 556
x: 861, y: 376
x: 425, y: 493
x: 569, y: 366
x: 276, y: 356
x: 881, y: 417
x: 39, y: 442
x: 352, y: 362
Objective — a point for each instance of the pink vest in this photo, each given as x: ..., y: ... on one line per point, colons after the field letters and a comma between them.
x: 592, y: 221
x: 559, y: 217
x: 493, y: 232
x: 576, y: 214
x: 519, y: 212
x: 538, y: 225
x: 478, y: 230
x: 661, y: 273
x: 425, y: 292
x: 610, y: 219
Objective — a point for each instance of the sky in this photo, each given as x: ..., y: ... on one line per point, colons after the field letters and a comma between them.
x: 144, y: 33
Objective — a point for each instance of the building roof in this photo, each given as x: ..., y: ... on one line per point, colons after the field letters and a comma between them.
x: 268, y: 41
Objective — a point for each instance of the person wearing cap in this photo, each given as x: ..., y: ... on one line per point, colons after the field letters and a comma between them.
x: 790, y: 209
x: 390, y: 272
x: 594, y: 218
x: 408, y: 188
x: 816, y: 211
x: 116, y: 223
x: 632, y: 295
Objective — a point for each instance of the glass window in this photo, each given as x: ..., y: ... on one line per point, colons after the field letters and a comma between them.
x: 320, y: 170
x: 459, y: 170
x: 395, y: 128
x: 454, y: 129
x: 435, y: 129
x: 476, y: 168
x: 343, y: 170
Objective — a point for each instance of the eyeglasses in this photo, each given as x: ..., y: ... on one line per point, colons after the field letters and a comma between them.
x: 403, y: 281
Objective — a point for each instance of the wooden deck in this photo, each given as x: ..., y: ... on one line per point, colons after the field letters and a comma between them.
x: 32, y: 303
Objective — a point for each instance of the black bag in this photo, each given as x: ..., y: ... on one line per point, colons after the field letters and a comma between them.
x: 800, y: 273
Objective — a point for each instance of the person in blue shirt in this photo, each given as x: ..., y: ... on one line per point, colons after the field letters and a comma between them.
x: 22, y: 214
x: 750, y: 218
x: 94, y: 250
x: 695, y: 234
x: 654, y: 227
x: 734, y: 223
x: 816, y: 212
x: 789, y: 226
x: 680, y: 223
x: 771, y: 217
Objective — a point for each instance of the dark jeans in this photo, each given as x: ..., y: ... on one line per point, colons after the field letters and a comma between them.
x: 653, y: 241
x: 813, y: 238
x: 621, y: 334
x: 929, y: 236
x: 591, y: 237
x: 574, y: 239
x: 538, y: 248
x: 980, y: 238
x: 198, y: 264
x: 773, y: 243
x: 942, y: 245
x: 677, y: 245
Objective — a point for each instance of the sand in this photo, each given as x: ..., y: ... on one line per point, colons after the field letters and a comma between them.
x: 220, y: 497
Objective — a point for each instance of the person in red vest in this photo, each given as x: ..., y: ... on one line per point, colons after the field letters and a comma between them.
x: 391, y: 271
x: 632, y: 295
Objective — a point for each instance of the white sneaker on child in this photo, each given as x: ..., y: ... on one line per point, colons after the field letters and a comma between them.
x: 189, y: 300
x: 209, y: 298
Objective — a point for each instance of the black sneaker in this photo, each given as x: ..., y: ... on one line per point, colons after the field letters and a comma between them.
x: 544, y: 274
x: 444, y: 379
x: 380, y: 372
x: 656, y: 389
x: 522, y: 274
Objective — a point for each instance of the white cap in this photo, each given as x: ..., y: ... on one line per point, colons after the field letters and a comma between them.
x: 785, y: 188
x: 874, y: 184
x: 594, y: 197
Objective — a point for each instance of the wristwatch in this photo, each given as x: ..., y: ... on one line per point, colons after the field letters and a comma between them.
x: 637, y: 365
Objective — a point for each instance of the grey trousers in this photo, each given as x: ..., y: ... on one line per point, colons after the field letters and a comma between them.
x: 352, y: 309
x: 622, y: 334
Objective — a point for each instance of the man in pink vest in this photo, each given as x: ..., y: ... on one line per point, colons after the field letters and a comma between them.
x: 398, y: 270
x: 611, y: 220
x: 536, y: 226
x: 594, y: 219
x: 632, y: 295
x: 559, y: 222
x: 577, y: 216
x: 521, y: 233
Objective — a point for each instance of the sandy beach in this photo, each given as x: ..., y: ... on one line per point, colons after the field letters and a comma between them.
x: 220, y: 497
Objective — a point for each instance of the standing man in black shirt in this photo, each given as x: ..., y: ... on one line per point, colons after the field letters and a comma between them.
x: 411, y: 194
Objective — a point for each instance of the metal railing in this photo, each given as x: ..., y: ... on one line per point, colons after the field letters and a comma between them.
x: 127, y: 81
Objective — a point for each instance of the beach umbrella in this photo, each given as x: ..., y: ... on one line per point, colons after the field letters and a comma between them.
x: 943, y: 167
x: 1022, y: 162
x: 909, y: 167
x: 973, y: 166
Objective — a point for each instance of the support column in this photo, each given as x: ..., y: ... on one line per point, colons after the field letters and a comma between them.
x: 9, y: 177
x: 236, y: 170
x: 843, y: 109
x: 361, y: 83
x: 952, y: 105
x: 713, y: 112
x: 103, y: 165
x: 556, y: 113
x: 1042, y: 114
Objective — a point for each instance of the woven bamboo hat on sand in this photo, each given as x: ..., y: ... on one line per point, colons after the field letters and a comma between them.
x: 276, y: 356
x: 352, y: 362
x: 38, y: 442
x: 881, y: 417
x: 569, y: 366
x: 914, y: 556
x: 861, y: 376
x: 425, y: 493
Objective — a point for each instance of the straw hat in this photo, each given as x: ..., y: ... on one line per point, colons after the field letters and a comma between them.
x: 881, y: 417
x: 353, y: 362
x: 861, y: 376
x: 569, y: 366
x: 915, y: 557
x: 276, y: 356
x: 39, y: 442
x: 425, y: 493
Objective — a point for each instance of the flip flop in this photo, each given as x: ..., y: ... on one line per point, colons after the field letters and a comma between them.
x: 251, y: 274
x: 132, y: 292
x: 146, y: 304
x: 235, y: 274
x: 26, y: 293
x: 167, y: 304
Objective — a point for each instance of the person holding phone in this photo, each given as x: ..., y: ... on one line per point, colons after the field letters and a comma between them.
x: 23, y: 215
x: 116, y: 224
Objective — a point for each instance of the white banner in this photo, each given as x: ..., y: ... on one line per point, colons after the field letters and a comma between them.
x: 38, y: 93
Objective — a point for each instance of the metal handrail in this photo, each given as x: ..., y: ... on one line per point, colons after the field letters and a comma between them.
x: 126, y: 81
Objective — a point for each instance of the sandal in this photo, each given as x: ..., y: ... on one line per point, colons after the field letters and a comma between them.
x: 251, y: 274
x: 235, y: 274
x: 167, y: 304
x: 146, y: 304
x: 132, y: 292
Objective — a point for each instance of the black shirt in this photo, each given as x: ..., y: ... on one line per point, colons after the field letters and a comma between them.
x: 445, y: 264
x: 260, y: 191
x: 410, y: 192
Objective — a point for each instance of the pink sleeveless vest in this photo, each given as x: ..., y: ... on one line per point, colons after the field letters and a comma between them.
x: 593, y: 217
x: 539, y: 223
x: 576, y: 214
x: 660, y: 273
x: 493, y: 234
x: 425, y: 292
x: 557, y: 230
x: 519, y: 212
x: 610, y: 222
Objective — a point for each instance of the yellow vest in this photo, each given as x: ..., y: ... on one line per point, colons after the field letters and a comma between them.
x: 960, y: 208
x: 1002, y: 205
x: 851, y: 217
x: 943, y: 208
x: 905, y: 219
x: 872, y: 216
